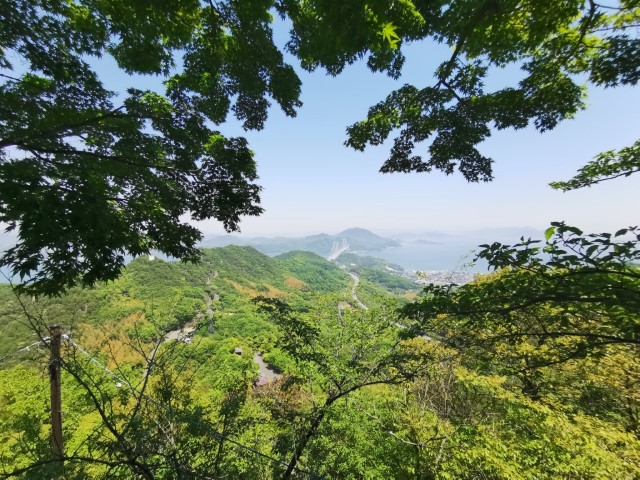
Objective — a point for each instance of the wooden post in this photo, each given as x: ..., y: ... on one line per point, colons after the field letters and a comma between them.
x: 57, y: 446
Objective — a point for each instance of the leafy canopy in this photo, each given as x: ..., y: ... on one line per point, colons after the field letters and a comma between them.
x: 88, y: 175
x: 554, y: 44
x: 578, y: 295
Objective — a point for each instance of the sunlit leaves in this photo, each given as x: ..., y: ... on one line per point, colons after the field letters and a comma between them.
x: 389, y: 34
x: 87, y: 180
x: 606, y: 166
x: 334, y: 34
x: 551, y: 42
x: 570, y: 297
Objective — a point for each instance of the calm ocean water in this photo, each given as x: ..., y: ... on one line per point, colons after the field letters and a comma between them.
x: 453, y: 257
x: 453, y: 252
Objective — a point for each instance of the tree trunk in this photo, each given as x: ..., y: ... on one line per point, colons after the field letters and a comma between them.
x: 305, y: 440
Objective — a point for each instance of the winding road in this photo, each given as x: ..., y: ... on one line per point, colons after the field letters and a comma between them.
x: 266, y: 374
x: 356, y: 282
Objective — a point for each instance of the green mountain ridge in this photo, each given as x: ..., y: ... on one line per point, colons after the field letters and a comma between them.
x: 226, y: 279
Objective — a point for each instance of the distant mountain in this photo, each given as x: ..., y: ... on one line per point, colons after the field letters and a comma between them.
x: 425, y: 242
x: 363, y: 240
x: 353, y: 239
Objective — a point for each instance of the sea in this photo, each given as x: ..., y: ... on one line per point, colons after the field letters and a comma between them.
x: 431, y: 257
x: 450, y: 252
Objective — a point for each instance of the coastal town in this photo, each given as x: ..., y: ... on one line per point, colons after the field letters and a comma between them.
x: 440, y: 277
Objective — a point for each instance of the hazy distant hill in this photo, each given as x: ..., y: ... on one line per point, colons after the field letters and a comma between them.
x: 361, y: 239
x: 355, y: 239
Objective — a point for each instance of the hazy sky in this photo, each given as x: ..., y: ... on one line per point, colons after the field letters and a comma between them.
x: 312, y: 183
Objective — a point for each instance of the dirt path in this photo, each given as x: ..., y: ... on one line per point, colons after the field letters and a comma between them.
x: 267, y: 375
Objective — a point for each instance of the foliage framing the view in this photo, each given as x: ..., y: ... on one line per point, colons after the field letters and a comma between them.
x: 364, y: 403
x: 555, y: 44
x: 89, y: 175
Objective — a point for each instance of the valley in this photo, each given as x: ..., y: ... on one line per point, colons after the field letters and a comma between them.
x: 279, y: 367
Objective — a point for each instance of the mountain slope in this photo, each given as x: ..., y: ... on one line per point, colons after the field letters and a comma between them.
x: 316, y: 272
x: 172, y: 294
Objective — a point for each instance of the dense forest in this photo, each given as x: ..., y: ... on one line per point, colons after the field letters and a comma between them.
x: 354, y: 395
x: 229, y: 364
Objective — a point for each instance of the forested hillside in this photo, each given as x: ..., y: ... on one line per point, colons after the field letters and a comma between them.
x: 116, y: 141
x: 354, y: 396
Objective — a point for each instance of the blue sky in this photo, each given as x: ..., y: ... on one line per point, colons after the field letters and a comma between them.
x: 312, y: 183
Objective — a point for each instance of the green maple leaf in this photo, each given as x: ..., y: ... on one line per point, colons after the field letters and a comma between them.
x: 389, y: 34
